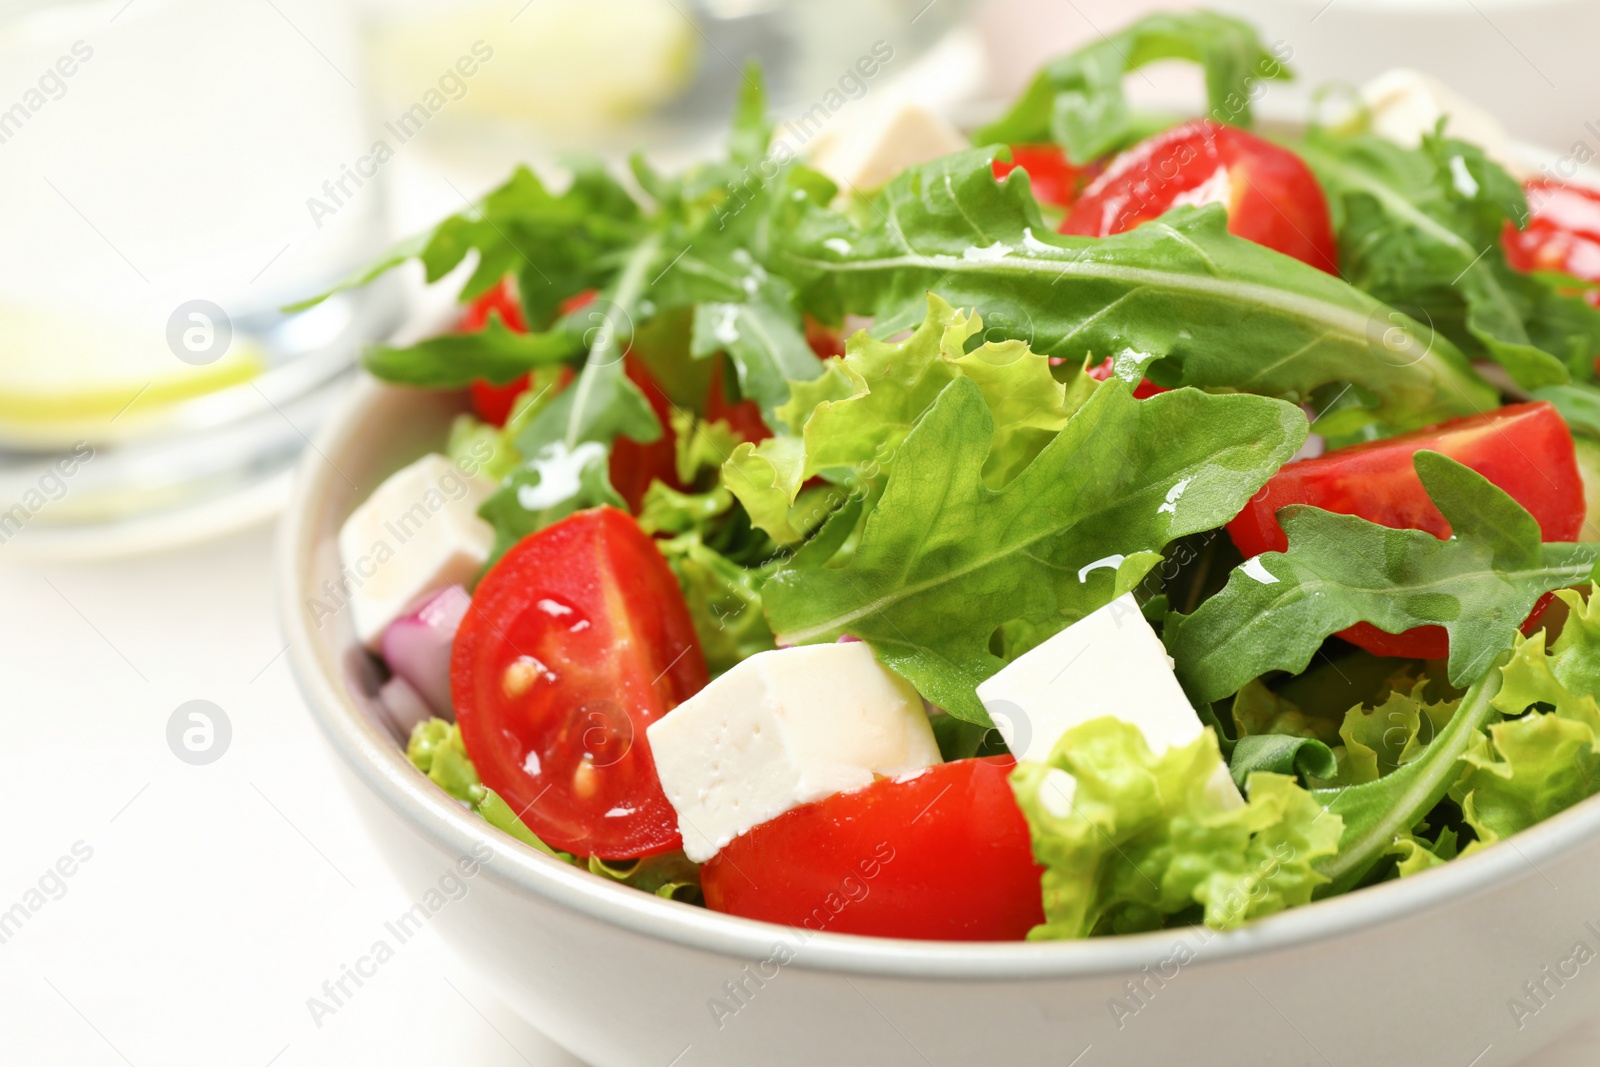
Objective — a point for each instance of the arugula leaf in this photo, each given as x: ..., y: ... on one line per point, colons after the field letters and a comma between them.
x: 550, y: 485
x: 857, y: 414
x: 1420, y: 228
x: 763, y: 338
x: 1377, y: 814
x: 1480, y: 585
x: 1297, y: 757
x: 943, y: 560
x: 1546, y: 757
x: 1077, y: 100
x: 454, y: 360
x: 1128, y: 838
x: 1179, y: 299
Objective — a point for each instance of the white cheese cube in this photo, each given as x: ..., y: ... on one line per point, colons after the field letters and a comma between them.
x: 868, y: 154
x: 417, y: 533
x: 1108, y: 663
x: 1406, y: 104
x: 782, y: 729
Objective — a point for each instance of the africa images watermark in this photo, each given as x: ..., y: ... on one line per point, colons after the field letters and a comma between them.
x: 49, y: 886
x: 51, y: 85
x: 450, y: 887
x: 739, y: 992
x: 51, y: 487
x: 451, y: 86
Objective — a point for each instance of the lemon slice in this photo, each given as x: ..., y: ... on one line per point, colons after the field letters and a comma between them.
x: 81, y: 368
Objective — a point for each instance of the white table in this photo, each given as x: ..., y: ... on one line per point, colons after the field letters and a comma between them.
x: 218, y: 898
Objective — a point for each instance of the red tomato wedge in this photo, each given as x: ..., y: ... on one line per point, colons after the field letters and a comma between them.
x: 743, y: 418
x: 1525, y: 449
x: 577, y: 640
x: 633, y: 465
x: 491, y: 402
x: 944, y: 856
x: 1272, y: 197
x: 1563, y: 233
x: 1054, y: 179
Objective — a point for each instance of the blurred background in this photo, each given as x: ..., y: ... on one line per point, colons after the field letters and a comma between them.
x: 175, y: 172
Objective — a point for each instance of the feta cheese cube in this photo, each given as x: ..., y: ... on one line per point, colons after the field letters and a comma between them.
x: 1406, y: 104
x: 868, y: 154
x: 782, y: 729
x: 1108, y: 663
x: 417, y: 533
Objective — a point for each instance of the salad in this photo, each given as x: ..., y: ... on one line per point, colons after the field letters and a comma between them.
x: 1111, y: 521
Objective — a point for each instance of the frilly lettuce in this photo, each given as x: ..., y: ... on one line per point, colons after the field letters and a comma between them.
x: 1142, y: 838
x: 857, y: 413
x: 1545, y: 756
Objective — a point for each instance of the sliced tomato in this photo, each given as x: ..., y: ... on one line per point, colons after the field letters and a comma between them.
x: 1525, y: 449
x: 825, y: 341
x: 743, y: 418
x: 491, y: 402
x: 1143, y: 391
x: 1054, y: 178
x: 634, y: 465
x: 1272, y: 197
x: 1562, y: 234
x: 943, y: 856
x: 577, y: 639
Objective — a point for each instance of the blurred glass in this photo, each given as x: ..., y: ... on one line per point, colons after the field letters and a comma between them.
x: 612, y: 76
x: 158, y: 161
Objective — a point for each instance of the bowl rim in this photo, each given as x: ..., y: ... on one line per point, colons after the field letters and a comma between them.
x: 381, y: 766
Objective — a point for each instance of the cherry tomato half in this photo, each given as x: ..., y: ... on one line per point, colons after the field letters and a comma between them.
x: 577, y: 640
x: 1055, y: 180
x: 1272, y: 197
x: 1563, y: 233
x: 943, y: 856
x: 1525, y: 449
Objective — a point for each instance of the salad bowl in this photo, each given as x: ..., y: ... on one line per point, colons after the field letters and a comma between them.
x: 630, y: 445
x: 1479, y: 962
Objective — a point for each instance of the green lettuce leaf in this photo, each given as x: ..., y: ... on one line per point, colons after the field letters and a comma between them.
x: 1384, y: 737
x: 1545, y: 756
x: 436, y: 749
x: 1077, y: 100
x: 1305, y: 758
x: 1416, y: 854
x: 1277, y: 609
x: 943, y: 560
x: 1419, y: 228
x: 763, y: 337
x: 857, y: 414
x: 1179, y: 300
x: 1128, y: 838
x: 1379, y: 813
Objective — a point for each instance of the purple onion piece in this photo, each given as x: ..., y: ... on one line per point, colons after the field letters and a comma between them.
x: 416, y: 646
x: 403, y: 704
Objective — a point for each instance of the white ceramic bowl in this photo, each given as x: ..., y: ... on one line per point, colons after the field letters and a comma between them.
x: 1416, y: 972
